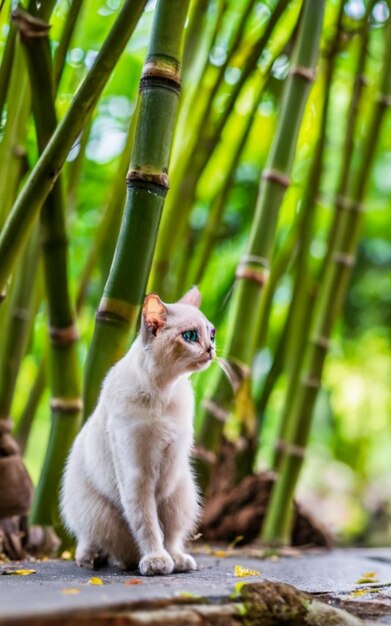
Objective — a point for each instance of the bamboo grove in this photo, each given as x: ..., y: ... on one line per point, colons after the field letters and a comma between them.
x: 150, y: 146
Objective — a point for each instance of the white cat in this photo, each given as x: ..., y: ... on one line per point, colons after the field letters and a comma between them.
x: 128, y: 492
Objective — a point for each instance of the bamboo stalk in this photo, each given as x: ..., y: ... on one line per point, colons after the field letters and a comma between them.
x: 278, y: 519
x: 6, y: 67
x: 27, y: 206
x: 66, y: 37
x: 252, y: 270
x: 17, y: 325
x: 12, y: 150
x: 147, y: 182
x: 26, y: 418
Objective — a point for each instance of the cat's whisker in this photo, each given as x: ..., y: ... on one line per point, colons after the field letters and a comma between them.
x: 228, y: 370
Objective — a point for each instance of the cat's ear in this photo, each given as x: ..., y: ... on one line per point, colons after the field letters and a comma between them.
x: 192, y: 297
x: 154, y: 313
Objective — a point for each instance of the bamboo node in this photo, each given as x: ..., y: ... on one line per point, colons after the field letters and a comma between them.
x: 311, y: 381
x: 145, y: 179
x: 344, y: 259
x: 63, y: 336
x: 276, y: 177
x: 258, y: 276
x: 3, y: 295
x: 161, y: 71
x: 29, y: 26
x: 256, y: 260
x: 114, y: 310
x: 21, y: 314
x: 66, y: 405
x: 346, y: 204
x: 217, y: 411
x: 291, y: 449
x: 199, y: 452
x: 384, y: 99
x: 305, y: 72
x: 322, y: 342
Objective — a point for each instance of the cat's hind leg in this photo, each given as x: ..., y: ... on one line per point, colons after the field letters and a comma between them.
x: 88, y: 555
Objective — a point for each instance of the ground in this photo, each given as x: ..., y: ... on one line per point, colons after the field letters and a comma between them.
x: 58, y: 592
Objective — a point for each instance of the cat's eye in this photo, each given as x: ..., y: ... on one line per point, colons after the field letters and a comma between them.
x: 212, y: 335
x: 190, y: 335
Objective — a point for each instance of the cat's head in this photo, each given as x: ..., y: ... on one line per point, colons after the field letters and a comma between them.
x: 178, y: 335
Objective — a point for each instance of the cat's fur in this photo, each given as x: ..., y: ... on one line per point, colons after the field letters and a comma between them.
x: 128, y: 492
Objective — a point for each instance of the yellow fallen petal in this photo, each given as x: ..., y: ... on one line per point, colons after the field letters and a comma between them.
x: 242, y: 572
x: 70, y: 591
x: 221, y: 554
x: 66, y: 555
x: 95, y: 581
x: 19, y: 572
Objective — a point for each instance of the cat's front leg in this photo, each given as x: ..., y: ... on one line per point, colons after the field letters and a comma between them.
x: 137, y: 487
x: 178, y: 515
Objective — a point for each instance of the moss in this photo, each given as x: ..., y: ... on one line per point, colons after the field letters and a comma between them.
x: 269, y: 603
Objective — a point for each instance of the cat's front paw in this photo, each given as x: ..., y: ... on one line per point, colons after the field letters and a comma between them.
x: 156, y: 563
x: 183, y: 562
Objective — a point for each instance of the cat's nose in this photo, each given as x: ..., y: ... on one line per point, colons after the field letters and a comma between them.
x: 210, y: 349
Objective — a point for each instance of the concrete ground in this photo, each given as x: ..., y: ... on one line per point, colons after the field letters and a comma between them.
x: 358, y: 580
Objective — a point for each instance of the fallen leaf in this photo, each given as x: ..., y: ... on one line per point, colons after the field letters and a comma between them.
x: 19, y: 572
x: 66, y: 555
x: 95, y: 581
x: 242, y: 572
x: 235, y: 541
x: 363, y: 592
x: 367, y: 577
x: 133, y: 581
x: 70, y: 591
x: 221, y: 554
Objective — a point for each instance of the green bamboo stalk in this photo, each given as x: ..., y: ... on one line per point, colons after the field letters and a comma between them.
x: 252, y: 271
x: 348, y: 145
x: 74, y: 169
x: 279, y: 515
x: 188, y: 168
x: 26, y: 417
x: 17, y: 325
x: 147, y: 186
x: 27, y: 206
x: 66, y: 37
x: 12, y: 150
x: 6, y: 67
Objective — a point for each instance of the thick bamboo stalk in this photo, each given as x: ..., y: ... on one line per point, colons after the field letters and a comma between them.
x: 27, y: 206
x: 147, y: 182
x: 278, y: 519
x: 252, y: 271
x: 188, y: 167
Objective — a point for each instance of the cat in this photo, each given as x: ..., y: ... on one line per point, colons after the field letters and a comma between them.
x: 128, y: 493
